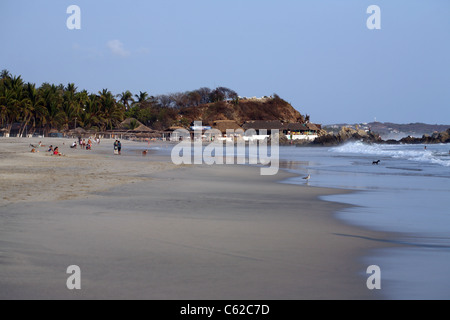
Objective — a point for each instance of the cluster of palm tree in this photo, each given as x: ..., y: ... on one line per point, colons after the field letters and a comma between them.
x: 55, y: 107
x: 62, y: 108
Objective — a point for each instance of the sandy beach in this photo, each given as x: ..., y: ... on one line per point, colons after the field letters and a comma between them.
x: 141, y: 228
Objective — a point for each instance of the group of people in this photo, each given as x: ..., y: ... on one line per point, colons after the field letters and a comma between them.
x: 54, y: 151
x: 83, y: 144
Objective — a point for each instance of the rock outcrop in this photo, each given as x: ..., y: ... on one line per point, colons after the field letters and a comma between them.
x: 346, y: 135
x: 437, y: 137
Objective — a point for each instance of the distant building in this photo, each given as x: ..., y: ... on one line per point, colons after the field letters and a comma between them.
x: 293, y: 131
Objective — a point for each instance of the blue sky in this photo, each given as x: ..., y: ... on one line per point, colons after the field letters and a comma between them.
x: 318, y: 54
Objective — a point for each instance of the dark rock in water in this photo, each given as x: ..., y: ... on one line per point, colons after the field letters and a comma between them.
x: 347, y: 135
x: 435, y: 138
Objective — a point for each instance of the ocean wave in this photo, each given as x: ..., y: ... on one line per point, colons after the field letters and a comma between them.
x: 397, y: 152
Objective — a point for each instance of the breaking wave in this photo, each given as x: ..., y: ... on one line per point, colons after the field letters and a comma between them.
x: 406, y: 152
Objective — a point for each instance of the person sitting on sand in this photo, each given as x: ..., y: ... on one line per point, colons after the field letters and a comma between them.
x: 50, y: 149
x: 74, y: 145
x: 56, y: 152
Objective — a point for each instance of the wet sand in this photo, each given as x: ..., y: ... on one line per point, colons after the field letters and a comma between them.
x: 141, y: 228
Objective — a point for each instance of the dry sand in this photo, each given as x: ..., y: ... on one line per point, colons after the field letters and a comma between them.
x: 139, y: 228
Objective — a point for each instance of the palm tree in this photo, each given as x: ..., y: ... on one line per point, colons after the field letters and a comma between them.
x: 89, y: 115
x: 125, y: 98
x: 32, y: 104
x: 54, y: 115
x: 70, y: 104
x: 141, y: 98
x: 111, y: 112
x: 5, y: 74
x: 11, y: 99
x: 8, y: 104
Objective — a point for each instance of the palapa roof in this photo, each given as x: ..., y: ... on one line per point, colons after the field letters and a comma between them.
x: 126, y: 124
x: 263, y: 124
x: 276, y: 124
x: 313, y: 127
x: 175, y: 128
x: 142, y: 128
x: 224, y: 125
x: 79, y: 130
x: 296, y: 126
x: 155, y: 134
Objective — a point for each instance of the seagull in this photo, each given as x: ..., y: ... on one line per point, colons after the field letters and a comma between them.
x: 307, y: 178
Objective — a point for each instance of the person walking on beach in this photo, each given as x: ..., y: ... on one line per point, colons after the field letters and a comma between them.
x: 119, y: 147
x: 116, y: 147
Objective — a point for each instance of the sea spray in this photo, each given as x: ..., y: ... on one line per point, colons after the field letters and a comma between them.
x: 406, y: 152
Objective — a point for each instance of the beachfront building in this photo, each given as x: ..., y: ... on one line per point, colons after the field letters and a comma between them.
x: 262, y: 129
x: 225, y: 126
x: 292, y: 131
x: 130, y: 129
x: 301, y: 131
x: 172, y: 134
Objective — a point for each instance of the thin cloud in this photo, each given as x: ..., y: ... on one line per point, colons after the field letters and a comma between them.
x: 117, y: 48
x: 86, y: 52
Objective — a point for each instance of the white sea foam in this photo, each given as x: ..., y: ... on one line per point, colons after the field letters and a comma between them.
x: 411, y: 153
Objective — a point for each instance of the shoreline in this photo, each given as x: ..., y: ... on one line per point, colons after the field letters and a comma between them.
x: 204, y: 232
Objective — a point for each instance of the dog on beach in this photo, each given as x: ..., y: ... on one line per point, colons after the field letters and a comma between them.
x: 376, y: 162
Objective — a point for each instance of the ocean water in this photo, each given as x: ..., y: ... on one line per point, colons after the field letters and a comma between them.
x: 407, y: 194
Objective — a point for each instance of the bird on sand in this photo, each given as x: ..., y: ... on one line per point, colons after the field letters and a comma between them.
x: 307, y: 178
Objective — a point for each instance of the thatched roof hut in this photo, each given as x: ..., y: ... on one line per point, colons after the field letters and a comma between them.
x: 142, y: 128
x: 129, y: 124
x: 263, y: 124
x: 224, y: 125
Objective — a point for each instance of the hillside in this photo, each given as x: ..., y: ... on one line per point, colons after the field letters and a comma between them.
x: 243, y: 110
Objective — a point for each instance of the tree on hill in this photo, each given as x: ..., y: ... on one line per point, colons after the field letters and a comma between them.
x: 63, y: 107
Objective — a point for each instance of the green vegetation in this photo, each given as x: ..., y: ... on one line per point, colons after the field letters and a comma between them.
x: 57, y: 107
x: 52, y: 107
